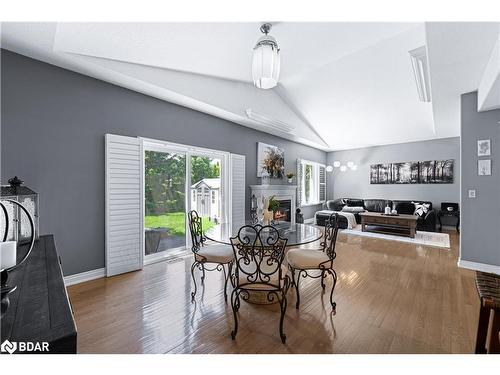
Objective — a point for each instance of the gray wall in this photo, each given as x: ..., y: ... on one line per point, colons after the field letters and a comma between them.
x: 480, y: 240
x: 53, y: 126
x: 356, y: 184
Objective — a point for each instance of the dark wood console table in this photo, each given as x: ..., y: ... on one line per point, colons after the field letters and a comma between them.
x: 40, y: 310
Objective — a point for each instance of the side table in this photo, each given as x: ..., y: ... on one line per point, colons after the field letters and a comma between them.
x: 456, y: 214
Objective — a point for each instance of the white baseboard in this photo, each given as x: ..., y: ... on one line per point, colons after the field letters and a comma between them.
x: 489, y: 268
x: 84, y: 276
x: 309, y: 221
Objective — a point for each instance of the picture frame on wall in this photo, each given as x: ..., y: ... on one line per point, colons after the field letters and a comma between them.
x: 484, y: 147
x: 270, y: 161
x: 484, y: 167
x: 421, y: 172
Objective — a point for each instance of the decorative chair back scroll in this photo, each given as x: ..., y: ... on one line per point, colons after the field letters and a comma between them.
x: 196, y: 230
x: 259, y: 252
x: 330, y: 238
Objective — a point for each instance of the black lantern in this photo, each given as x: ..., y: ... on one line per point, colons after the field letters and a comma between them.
x: 19, y: 227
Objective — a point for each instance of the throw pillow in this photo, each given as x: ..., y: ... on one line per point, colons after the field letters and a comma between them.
x: 354, y: 210
x: 335, y: 205
x: 421, y: 208
x: 404, y: 207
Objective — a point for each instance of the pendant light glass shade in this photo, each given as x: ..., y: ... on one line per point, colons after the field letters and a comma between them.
x: 266, y: 62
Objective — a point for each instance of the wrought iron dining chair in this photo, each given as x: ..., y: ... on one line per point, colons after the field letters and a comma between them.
x: 259, y: 254
x: 303, y: 261
x: 219, y: 255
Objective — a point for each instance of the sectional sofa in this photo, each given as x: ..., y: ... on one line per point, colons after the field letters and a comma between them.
x: 353, y: 207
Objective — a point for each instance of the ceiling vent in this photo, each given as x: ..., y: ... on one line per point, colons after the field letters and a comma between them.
x: 421, y: 73
x: 269, y: 122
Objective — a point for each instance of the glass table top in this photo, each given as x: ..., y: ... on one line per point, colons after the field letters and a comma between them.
x: 297, y: 234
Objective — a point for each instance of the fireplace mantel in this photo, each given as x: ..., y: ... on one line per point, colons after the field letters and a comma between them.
x: 280, y: 192
x: 276, y: 188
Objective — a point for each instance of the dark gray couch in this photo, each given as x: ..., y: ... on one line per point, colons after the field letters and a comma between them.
x: 425, y: 223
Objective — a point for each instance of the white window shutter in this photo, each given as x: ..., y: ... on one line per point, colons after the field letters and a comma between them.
x: 300, y: 172
x: 238, y: 188
x: 124, y: 204
x: 322, y: 184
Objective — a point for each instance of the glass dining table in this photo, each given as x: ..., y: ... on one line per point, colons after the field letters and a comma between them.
x: 296, y: 233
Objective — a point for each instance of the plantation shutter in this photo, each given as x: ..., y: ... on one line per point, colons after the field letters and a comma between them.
x: 124, y: 213
x: 322, y: 184
x: 238, y: 188
x: 300, y: 182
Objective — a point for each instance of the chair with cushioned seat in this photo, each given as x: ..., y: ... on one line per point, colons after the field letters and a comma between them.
x: 259, y: 252
x: 220, y: 255
x: 302, y: 261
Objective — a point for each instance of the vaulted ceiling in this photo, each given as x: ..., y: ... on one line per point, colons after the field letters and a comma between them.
x: 342, y: 85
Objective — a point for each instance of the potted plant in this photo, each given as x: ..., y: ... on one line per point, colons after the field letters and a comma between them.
x: 290, y: 175
x: 274, y: 204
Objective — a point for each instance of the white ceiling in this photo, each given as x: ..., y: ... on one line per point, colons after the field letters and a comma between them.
x: 342, y: 85
x: 221, y: 50
x: 368, y: 97
x: 458, y: 55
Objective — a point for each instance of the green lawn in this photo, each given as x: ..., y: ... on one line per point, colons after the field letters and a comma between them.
x: 175, y: 221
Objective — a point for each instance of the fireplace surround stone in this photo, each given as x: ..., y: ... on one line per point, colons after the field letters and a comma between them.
x: 280, y: 192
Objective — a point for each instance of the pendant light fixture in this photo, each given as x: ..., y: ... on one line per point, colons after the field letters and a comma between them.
x: 266, y: 60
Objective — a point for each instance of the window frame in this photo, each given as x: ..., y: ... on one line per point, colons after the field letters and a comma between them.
x: 316, y: 182
x: 148, y: 144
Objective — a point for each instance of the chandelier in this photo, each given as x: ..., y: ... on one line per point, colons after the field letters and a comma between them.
x: 266, y: 60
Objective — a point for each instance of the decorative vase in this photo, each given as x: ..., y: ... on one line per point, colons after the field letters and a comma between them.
x: 265, y: 179
x: 267, y: 217
x: 290, y: 180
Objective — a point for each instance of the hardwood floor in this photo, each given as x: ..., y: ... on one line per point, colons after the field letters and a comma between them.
x: 392, y: 297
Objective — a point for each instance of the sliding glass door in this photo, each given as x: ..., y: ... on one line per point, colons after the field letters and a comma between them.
x: 206, y: 188
x: 178, y: 179
x: 165, y: 201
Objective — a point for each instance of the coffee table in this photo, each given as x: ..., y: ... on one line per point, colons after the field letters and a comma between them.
x: 402, y: 225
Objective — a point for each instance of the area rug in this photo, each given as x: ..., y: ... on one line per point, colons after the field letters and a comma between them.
x: 435, y: 239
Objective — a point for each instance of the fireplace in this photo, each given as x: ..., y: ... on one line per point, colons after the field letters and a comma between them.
x: 285, y: 194
x: 284, y: 212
